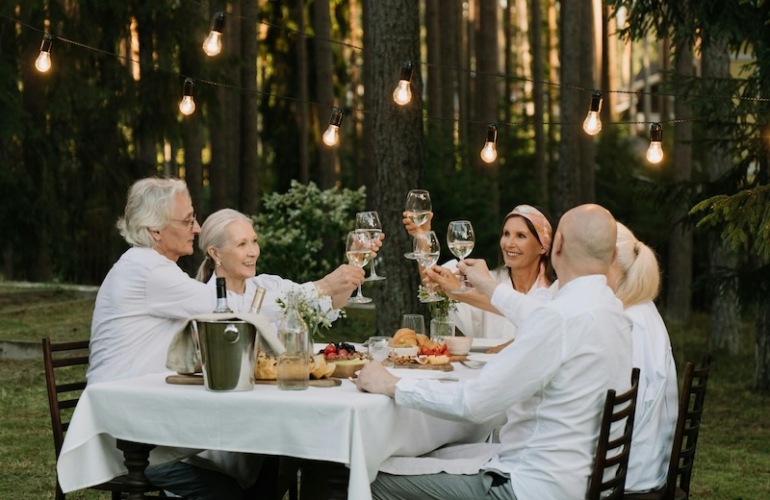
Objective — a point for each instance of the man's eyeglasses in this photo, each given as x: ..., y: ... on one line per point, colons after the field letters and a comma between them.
x: 189, y: 222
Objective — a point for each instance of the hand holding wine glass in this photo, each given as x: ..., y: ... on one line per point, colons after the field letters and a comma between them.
x: 370, y: 221
x: 461, y: 240
x: 358, y: 249
x: 427, y: 250
x: 418, y: 207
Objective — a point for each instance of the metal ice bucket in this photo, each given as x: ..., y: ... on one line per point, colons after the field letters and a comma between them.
x: 227, y: 353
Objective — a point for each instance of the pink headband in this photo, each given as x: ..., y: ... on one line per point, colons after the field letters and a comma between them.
x: 536, y: 217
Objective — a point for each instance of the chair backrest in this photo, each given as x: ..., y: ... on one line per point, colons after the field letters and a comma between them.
x: 687, y: 427
x: 613, y: 453
x: 65, y: 367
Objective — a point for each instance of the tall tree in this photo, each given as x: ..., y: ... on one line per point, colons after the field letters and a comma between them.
x: 487, y: 94
x: 725, y: 323
x: 393, y: 136
x: 679, y: 296
x: 568, y: 169
x: 538, y: 99
x: 248, y: 180
x: 328, y: 165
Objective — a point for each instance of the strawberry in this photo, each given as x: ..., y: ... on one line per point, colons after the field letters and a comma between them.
x: 330, y: 349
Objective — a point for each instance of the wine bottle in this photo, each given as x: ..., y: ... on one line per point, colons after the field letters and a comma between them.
x: 222, y: 306
x: 256, y: 302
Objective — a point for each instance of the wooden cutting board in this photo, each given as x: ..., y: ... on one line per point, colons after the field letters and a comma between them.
x: 446, y: 367
x: 198, y: 380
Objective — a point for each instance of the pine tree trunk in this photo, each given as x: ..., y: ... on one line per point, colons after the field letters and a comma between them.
x: 568, y: 169
x: 679, y: 296
x: 303, y: 113
x: 394, y: 144
x: 725, y: 323
x: 449, y: 19
x: 762, y: 335
x: 538, y: 98
x: 324, y: 66
x: 587, y: 80
x: 249, y: 171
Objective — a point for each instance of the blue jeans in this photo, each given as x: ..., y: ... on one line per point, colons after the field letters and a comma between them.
x: 194, y: 483
x: 442, y: 486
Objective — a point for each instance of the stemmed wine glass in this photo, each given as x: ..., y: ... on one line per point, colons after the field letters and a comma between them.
x: 417, y: 207
x: 370, y: 221
x: 358, y: 249
x: 426, y: 250
x: 460, y: 239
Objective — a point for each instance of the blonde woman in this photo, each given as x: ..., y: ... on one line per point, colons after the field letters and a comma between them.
x: 635, y: 277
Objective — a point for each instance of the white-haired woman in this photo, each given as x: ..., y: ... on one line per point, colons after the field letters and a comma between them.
x: 230, y: 245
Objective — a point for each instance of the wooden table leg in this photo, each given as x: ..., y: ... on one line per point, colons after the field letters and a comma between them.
x: 136, y: 458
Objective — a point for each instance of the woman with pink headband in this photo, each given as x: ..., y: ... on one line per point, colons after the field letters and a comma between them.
x: 525, y: 244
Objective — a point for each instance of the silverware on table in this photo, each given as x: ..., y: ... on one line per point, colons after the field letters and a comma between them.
x: 473, y: 364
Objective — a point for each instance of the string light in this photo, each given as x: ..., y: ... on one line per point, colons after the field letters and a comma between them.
x: 187, y: 104
x: 403, y: 93
x: 332, y: 135
x: 212, y: 45
x: 489, y: 151
x: 655, y: 151
x: 593, y: 122
x: 43, y: 61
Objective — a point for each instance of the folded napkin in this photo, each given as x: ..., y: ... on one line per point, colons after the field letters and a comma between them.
x: 457, y: 459
x: 181, y: 352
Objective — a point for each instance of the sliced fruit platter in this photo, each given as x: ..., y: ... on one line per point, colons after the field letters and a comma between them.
x: 345, y: 358
x: 429, y: 353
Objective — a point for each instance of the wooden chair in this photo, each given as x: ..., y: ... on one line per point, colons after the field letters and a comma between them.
x: 65, y: 370
x: 613, y: 453
x: 691, y: 399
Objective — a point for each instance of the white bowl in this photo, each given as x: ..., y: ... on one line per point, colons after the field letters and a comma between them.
x: 400, y: 352
x: 458, y: 346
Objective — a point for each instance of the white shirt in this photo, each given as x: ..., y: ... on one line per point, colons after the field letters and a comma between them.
x: 657, y: 404
x: 476, y: 322
x: 142, y: 302
x: 550, y: 384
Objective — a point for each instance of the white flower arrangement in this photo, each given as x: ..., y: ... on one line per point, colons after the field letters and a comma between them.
x: 311, y: 310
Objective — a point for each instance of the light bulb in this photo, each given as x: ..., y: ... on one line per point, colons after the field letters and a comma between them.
x: 187, y: 104
x: 43, y: 61
x: 213, y: 43
x: 489, y: 151
x: 332, y: 135
x: 403, y: 93
x: 655, y: 151
x: 593, y: 122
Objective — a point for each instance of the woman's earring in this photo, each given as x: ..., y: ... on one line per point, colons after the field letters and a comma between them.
x: 219, y: 263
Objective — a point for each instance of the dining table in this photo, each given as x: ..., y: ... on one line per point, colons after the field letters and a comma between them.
x: 120, y: 426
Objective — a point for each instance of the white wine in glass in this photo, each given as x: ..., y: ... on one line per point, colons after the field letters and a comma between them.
x: 370, y: 221
x: 427, y: 250
x: 418, y: 207
x: 461, y: 240
x: 358, y: 249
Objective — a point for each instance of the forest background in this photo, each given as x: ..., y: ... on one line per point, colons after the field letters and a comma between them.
x: 75, y: 138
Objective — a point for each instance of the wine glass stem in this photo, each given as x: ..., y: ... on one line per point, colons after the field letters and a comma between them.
x: 359, y: 294
x: 373, y: 272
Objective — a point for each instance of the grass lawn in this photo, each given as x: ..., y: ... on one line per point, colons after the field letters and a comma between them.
x: 732, y: 462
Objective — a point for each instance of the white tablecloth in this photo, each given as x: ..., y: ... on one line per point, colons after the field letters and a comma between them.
x: 337, y: 424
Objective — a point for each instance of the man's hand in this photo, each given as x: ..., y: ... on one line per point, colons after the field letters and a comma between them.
x: 375, y: 378
x: 477, y: 273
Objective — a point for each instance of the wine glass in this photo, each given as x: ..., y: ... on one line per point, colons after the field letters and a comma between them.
x: 460, y: 239
x: 370, y: 221
x: 427, y: 250
x: 414, y: 322
x: 418, y: 208
x: 358, y: 249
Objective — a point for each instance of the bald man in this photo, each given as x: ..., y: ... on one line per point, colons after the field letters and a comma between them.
x: 549, y: 385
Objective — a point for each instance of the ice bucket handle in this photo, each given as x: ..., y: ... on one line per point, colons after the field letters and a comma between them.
x: 231, y: 333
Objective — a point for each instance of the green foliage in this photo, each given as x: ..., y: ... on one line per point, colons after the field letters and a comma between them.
x: 301, y: 232
x: 744, y: 218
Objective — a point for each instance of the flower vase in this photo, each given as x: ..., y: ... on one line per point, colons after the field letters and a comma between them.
x: 441, y: 328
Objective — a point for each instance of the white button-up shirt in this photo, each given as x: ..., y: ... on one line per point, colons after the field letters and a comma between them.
x: 550, y: 385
